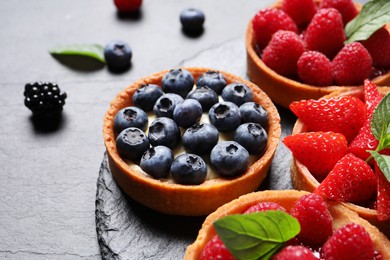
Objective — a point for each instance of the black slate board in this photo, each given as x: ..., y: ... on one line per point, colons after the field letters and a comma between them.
x: 128, y: 230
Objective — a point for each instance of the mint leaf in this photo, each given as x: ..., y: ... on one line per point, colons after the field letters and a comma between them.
x: 373, y: 16
x: 381, y: 119
x: 257, y: 235
x: 94, y: 51
x: 383, y: 162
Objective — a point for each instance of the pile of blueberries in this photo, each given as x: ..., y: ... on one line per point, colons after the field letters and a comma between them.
x: 179, y: 106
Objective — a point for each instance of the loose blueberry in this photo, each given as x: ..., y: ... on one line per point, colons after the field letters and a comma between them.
x: 225, y: 116
x: 130, y: 117
x: 192, y: 20
x: 166, y: 104
x: 252, y: 112
x: 188, y: 169
x: 164, y: 131
x: 146, y: 96
x: 229, y: 159
x: 187, y: 113
x: 179, y: 81
x: 212, y: 79
x: 200, y: 138
x: 131, y: 143
x: 118, y: 55
x: 205, y: 96
x: 238, y: 93
x: 156, y: 161
x: 252, y: 137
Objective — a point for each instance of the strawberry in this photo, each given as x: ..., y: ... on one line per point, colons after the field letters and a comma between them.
x: 301, y: 11
x: 378, y: 45
x: 344, y: 115
x: 346, y: 8
x: 264, y: 206
x: 318, y: 151
x: 215, y: 249
x: 315, y: 68
x: 351, y: 179
x: 383, y: 196
x: 297, y: 252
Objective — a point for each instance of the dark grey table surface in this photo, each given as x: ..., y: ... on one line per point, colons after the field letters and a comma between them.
x: 48, y: 179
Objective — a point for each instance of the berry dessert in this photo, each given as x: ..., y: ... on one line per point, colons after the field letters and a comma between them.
x: 287, y: 224
x: 305, y: 49
x: 330, y: 143
x: 187, y: 140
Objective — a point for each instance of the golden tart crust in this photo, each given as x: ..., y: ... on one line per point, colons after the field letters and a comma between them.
x: 302, y: 179
x: 188, y: 200
x: 283, y: 90
x: 286, y: 198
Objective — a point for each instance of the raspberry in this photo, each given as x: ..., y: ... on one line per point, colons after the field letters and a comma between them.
x: 215, y: 249
x: 378, y: 45
x: 268, y: 21
x: 346, y: 8
x: 349, y: 242
x: 264, y: 206
x: 325, y: 32
x: 315, y: 219
x: 301, y: 11
x: 295, y: 253
x: 283, y: 52
x: 44, y: 99
x: 352, y: 65
x: 126, y: 6
x: 315, y: 68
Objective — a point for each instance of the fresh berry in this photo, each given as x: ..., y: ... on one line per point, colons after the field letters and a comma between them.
x: 314, y: 218
x: 188, y: 169
x: 178, y: 81
x: 165, y: 105
x: 378, y: 45
x: 252, y: 137
x: 383, y: 196
x: 192, y: 20
x: 282, y: 53
x: 352, y: 65
x: 146, y: 96
x: 205, y: 96
x: 295, y: 253
x: 130, y: 117
x: 164, y: 131
x: 252, y: 112
x: 264, y: 206
x: 238, y: 93
x: 325, y: 32
x: 268, y: 21
x: 156, y: 161
x: 118, y: 55
x: 200, y: 138
x: 318, y: 151
x: 229, y: 159
x: 44, y: 99
x: 345, y: 115
x: 212, y: 79
x: 225, y: 116
x: 131, y: 143
x: 125, y: 6
x: 187, y: 113
x: 216, y: 249
x: 314, y: 68
x: 351, y: 241
x: 351, y: 179
x: 346, y: 8
x: 301, y: 11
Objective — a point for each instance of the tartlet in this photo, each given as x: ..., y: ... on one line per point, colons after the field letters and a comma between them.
x: 188, y: 200
x: 283, y: 90
x: 286, y: 198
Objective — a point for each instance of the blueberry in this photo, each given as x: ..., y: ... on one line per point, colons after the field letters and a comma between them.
x: 118, y: 55
x: 188, y: 169
x: 156, y: 161
x: 238, y: 93
x: 166, y: 104
x: 164, y: 131
x: 205, y: 96
x: 179, y: 81
x: 252, y: 137
x: 146, y: 96
x: 200, y: 138
x: 225, y: 116
x: 229, y: 159
x: 192, y: 20
x: 212, y: 79
x: 131, y: 143
x: 254, y: 113
x: 130, y: 117
x: 187, y: 113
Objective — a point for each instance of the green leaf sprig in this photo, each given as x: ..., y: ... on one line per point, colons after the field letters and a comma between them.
x: 94, y: 51
x: 373, y: 16
x: 257, y: 235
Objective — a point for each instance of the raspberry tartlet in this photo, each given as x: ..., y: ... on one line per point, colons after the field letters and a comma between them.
x: 294, y: 203
x: 315, y: 75
x: 166, y: 195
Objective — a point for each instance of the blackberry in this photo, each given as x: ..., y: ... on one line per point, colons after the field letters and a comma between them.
x: 44, y: 99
